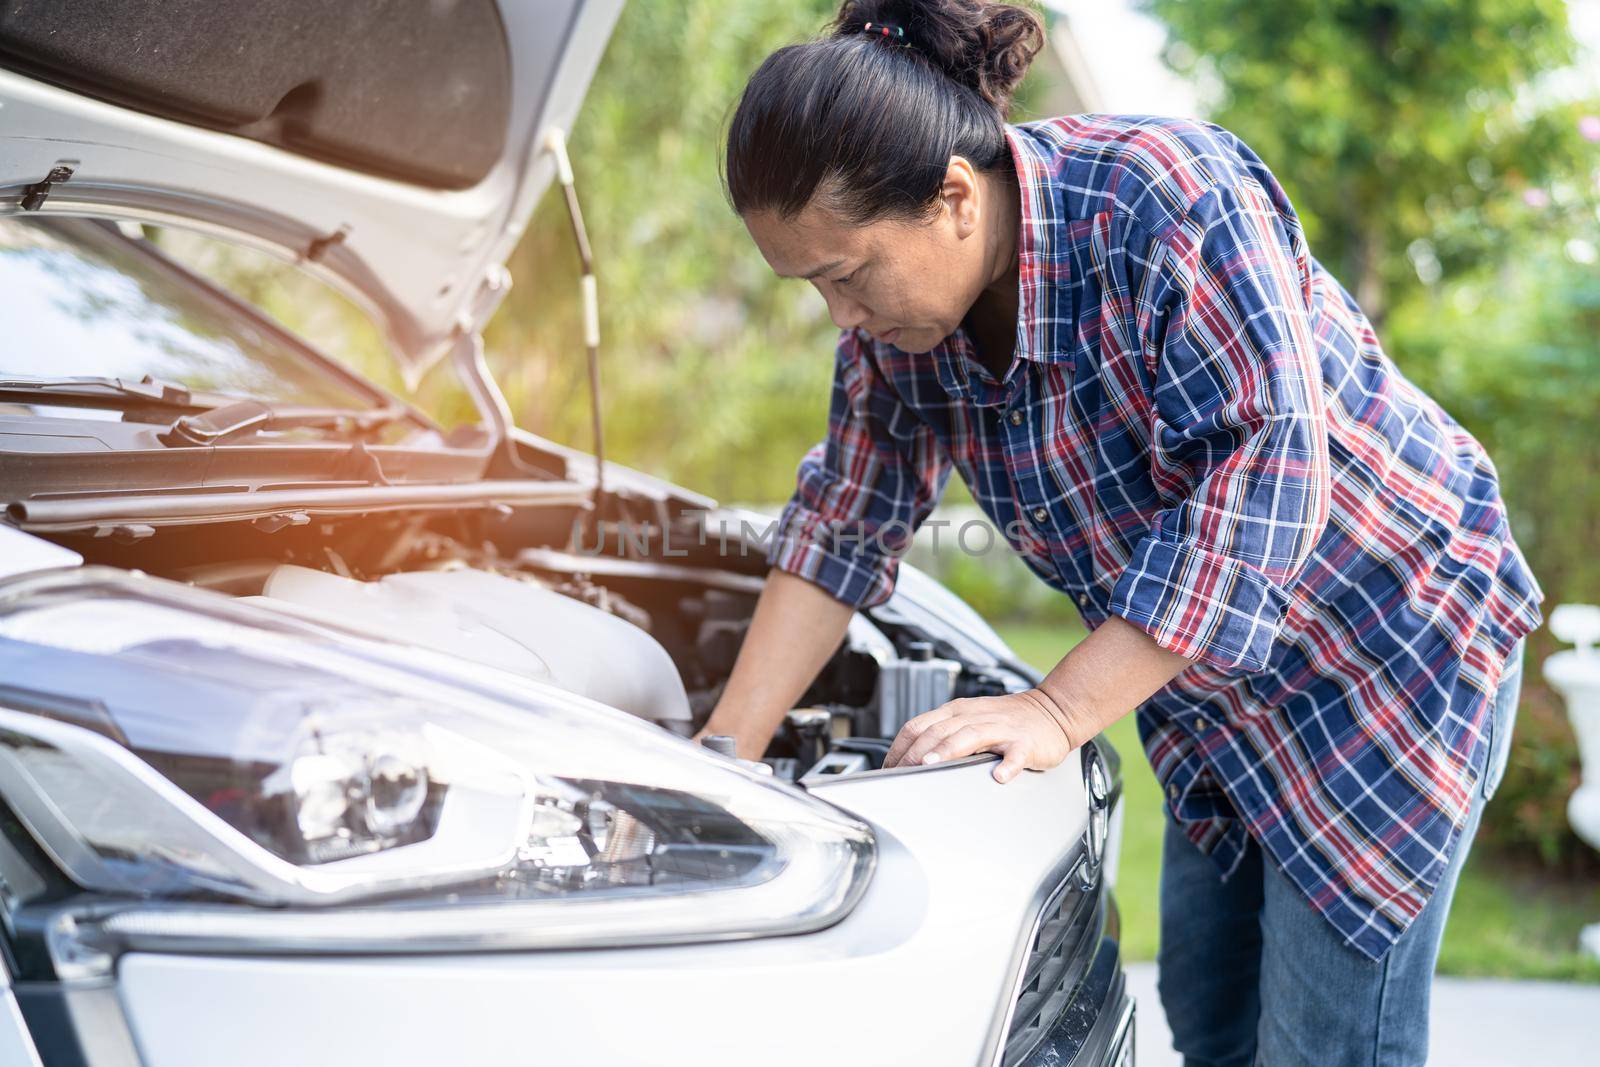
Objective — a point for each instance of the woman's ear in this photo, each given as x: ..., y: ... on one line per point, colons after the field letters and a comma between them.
x: 960, y: 196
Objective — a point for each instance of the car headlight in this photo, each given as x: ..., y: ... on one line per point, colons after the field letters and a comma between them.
x: 202, y: 759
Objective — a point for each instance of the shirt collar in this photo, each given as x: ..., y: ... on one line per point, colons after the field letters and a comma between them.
x: 1039, y: 266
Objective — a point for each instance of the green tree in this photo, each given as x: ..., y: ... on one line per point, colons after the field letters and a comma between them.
x: 1404, y: 130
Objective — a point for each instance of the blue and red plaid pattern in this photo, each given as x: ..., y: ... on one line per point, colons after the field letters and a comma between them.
x: 1202, y: 435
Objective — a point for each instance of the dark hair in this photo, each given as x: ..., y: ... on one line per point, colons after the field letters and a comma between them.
x: 871, y: 120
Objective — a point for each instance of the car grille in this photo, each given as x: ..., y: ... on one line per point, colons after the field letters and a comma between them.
x: 1057, y: 961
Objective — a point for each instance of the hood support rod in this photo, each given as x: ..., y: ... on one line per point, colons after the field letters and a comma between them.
x: 555, y: 143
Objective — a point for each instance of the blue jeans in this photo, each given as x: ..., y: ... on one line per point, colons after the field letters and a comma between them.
x: 1250, y: 974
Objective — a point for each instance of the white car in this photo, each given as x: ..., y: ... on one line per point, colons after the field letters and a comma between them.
x: 325, y: 736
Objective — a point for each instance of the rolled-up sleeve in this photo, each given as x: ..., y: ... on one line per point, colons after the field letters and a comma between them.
x: 1238, y: 434
x: 861, y: 492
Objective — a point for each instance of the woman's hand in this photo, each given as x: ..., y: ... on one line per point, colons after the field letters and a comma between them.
x: 1031, y: 731
x: 1105, y: 676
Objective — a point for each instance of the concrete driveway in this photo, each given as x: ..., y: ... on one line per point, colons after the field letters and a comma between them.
x: 1475, y: 1021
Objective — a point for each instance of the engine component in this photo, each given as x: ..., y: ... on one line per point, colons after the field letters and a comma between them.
x: 498, y: 621
x: 876, y: 749
x: 909, y: 687
x: 810, y: 730
x: 724, y: 745
x: 724, y: 619
x: 835, y: 765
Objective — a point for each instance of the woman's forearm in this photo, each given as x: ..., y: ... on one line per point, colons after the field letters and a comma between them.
x: 1108, y: 674
x: 796, y: 627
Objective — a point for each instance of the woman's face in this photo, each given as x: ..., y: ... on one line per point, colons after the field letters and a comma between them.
x: 908, y: 283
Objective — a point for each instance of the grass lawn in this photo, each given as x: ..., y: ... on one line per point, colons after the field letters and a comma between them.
x: 1508, y: 920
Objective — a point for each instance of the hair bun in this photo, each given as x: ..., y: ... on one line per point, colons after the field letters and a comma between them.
x: 984, y: 46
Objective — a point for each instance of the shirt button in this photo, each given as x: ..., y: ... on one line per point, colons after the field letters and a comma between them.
x: 1201, y: 725
x: 1040, y: 515
x: 1016, y: 418
x: 1172, y: 793
x: 1083, y: 600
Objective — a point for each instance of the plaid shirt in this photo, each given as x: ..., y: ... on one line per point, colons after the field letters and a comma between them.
x: 1201, y: 435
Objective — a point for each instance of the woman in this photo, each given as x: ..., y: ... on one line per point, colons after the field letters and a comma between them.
x: 1294, y: 564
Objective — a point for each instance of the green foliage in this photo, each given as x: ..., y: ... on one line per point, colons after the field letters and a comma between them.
x: 1386, y: 121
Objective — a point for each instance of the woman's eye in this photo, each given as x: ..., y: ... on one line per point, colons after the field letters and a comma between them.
x: 845, y: 280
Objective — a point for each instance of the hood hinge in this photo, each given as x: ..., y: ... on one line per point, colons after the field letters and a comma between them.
x: 318, y: 246
x: 34, y: 196
x: 492, y: 290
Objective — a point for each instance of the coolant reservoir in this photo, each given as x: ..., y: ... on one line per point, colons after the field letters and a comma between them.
x: 501, y: 622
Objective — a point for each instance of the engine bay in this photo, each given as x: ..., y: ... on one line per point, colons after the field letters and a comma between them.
x: 632, y: 621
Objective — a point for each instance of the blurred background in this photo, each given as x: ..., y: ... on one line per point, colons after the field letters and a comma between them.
x: 1443, y: 154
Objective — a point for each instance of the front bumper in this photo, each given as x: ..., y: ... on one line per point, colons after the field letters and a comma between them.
x: 924, y: 970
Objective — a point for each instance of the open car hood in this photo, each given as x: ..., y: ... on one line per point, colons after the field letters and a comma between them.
x: 396, y: 147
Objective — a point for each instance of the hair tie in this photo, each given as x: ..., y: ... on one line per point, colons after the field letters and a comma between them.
x: 884, y: 31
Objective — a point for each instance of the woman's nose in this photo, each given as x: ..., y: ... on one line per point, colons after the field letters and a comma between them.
x: 846, y: 313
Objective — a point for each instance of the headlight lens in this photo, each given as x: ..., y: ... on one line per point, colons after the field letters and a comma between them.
x: 202, y: 754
